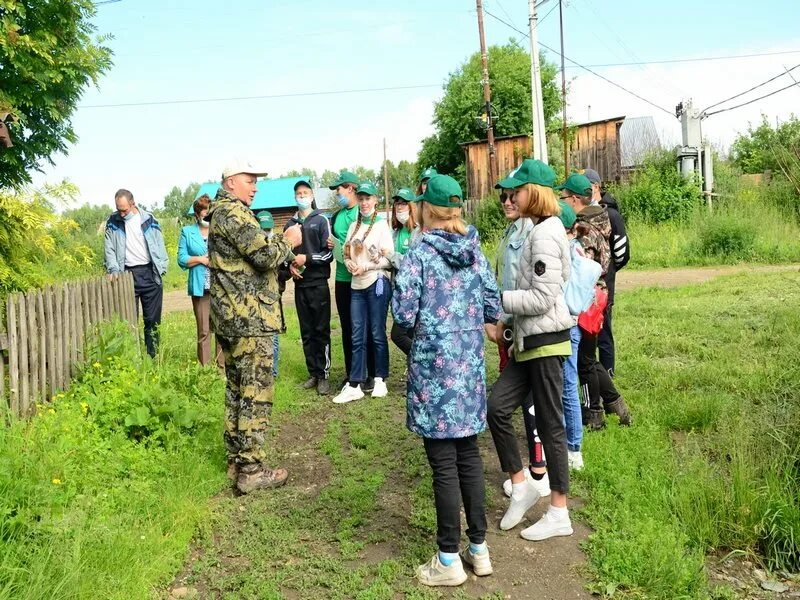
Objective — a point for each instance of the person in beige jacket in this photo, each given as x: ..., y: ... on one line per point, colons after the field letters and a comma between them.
x: 368, y: 250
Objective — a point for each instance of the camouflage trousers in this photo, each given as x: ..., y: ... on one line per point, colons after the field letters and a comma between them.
x: 248, y: 397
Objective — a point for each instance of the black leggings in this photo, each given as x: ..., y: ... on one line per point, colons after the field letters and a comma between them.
x: 598, y: 387
x: 402, y: 338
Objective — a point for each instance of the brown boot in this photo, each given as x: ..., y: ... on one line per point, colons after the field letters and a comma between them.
x: 620, y: 408
x: 257, y: 477
x: 233, y: 471
x: 597, y: 419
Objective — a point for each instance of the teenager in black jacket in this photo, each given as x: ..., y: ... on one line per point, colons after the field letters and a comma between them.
x: 620, y: 255
x: 311, y: 271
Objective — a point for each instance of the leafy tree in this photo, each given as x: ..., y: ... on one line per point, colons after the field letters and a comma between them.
x: 304, y: 172
x: 327, y: 178
x: 760, y: 149
x: 48, y: 55
x: 403, y: 174
x: 454, y: 116
x: 88, y: 218
x: 178, y: 201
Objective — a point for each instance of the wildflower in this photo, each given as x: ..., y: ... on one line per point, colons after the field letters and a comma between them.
x: 85, y: 407
x: 56, y: 482
x: 51, y: 411
x: 96, y: 365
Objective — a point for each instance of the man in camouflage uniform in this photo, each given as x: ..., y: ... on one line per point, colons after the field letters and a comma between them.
x: 245, y: 315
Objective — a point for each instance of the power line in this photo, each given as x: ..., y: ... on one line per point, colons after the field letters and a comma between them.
x: 755, y: 87
x: 269, y: 96
x: 670, y: 113
x: 688, y: 60
x: 751, y: 101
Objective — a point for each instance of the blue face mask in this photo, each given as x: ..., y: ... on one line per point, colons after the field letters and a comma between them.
x: 343, y: 202
x: 129, y: 216
x: 303, y: 203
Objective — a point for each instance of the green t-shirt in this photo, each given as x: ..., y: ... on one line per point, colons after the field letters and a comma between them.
x: 402, y: 240
x: 344, y: 218
x: 560, y: 349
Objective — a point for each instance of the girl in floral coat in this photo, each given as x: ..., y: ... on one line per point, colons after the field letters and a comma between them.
x: 446, y: 292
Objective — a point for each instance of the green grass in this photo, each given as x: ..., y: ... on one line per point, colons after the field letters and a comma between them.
x: 712, y: 461
x: 92, y: 508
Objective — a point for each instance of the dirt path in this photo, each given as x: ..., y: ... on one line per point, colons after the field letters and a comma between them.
x: 177, y: 300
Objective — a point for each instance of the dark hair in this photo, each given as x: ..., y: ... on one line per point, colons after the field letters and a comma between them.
x: 412, y: 220
x: 201, y: 204
x: 123, y: 193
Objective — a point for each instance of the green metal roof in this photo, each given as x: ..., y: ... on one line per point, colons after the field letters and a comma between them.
x: 270, y: 193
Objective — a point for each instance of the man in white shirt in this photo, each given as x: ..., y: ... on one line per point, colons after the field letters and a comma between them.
x: 134, y: 242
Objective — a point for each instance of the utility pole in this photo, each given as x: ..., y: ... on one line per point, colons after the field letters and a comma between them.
x: 563, y: 89
x: 539, y: 133
x: 487, y: 98
x: 386, y: 183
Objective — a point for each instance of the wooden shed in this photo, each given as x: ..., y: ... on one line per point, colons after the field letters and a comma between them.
x: 597, y: 145
x: 510, y: 151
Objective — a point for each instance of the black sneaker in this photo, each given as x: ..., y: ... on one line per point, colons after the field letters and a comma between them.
x: 323, y: 387
x: 368, y: 385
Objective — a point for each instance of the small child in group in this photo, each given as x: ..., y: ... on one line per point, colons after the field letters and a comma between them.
x: 445, y: 291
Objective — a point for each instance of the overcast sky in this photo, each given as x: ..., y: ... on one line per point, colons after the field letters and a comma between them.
x: 165, y: 50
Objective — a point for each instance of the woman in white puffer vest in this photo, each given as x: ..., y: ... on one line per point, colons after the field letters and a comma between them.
x: 541, y: 342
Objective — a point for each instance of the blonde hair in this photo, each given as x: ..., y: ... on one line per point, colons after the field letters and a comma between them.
x: 450, y: 217
x: 542, y: 202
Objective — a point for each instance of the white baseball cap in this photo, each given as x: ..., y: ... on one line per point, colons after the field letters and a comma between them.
x: 241, y: 166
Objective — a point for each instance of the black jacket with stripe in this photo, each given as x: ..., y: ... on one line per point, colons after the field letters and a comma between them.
x: 316, y: 230
x: 618, y: 243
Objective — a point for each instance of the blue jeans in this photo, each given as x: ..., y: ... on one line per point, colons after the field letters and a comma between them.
x: 569, y: 395
x: 368, y: 313
x: 276, y: 347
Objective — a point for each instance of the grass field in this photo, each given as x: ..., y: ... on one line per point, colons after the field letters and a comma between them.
x: 94, y: 506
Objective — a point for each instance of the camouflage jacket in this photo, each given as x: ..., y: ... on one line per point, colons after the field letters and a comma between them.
x: 592, y: 230
x: 244, y: 271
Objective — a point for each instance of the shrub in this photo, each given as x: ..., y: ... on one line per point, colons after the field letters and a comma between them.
x: 726, y: 237
x: 490, y: 220
x: 658, y: 192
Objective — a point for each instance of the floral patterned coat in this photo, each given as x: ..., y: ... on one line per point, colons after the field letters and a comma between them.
x: 446, y: 291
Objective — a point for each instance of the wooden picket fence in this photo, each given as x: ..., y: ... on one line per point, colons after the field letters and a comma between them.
x: 46, y: 332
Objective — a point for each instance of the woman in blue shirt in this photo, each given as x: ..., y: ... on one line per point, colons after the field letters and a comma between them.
x: 193, y: 256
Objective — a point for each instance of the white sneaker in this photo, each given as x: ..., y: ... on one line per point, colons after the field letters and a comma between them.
x: 546, y: 527
x: 435, y: 573
x: 380, y: 390
x: 481, y: 563
x: 348, y: 394
x: 520, y: 504
x: 542, y: 486
x: 575, y: 460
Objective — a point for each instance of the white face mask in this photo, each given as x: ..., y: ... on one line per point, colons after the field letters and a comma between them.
x: 402, y: 217
x: 304, y: 202
x: 366, y: 214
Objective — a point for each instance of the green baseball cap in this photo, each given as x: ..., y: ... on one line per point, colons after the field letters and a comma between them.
x: 577, y: 184
x: 510, y: 175
x: 440, y: 190
x: 344, y: 177
x: 265, y: 220
x: 404, y: 194
x: 567, y: 216
x: 427, y: 174
x: 530, y: 171
x: 367, y: 188
x: 304, y: 181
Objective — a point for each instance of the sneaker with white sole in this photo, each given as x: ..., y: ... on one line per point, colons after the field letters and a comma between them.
x: 348, y: 394
x: 434, y: 573
x: 380, y: 391
x: 546, y: 527
x: 542, y: 486
x: 480, y: 563
x: 521, y: 502
x: 575, y: 460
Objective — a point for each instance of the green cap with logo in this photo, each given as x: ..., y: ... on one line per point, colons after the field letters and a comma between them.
x: 404, y: 195
x: 265, y: 220
x: 440, y: 191
x: 427, y: 174
x: 577, y: 184
x: 510, y: 175
x: 530, y: 171
x: 344, y: 177
x: 367, y: 188
x: 567, y: 216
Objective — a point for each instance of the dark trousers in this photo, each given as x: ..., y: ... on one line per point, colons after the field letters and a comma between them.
x: 402, y: 338
x: 544, y: 377
x: 605, y: 342
x: 597, y: 385
x: 343, y: 294
x: 457, y: 476
x: 314, y: 313
x: 148, y: 289
x: 535, y: 454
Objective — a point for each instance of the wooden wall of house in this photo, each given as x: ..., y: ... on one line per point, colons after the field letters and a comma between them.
x: 596, y: 145
x: 510, y: 152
